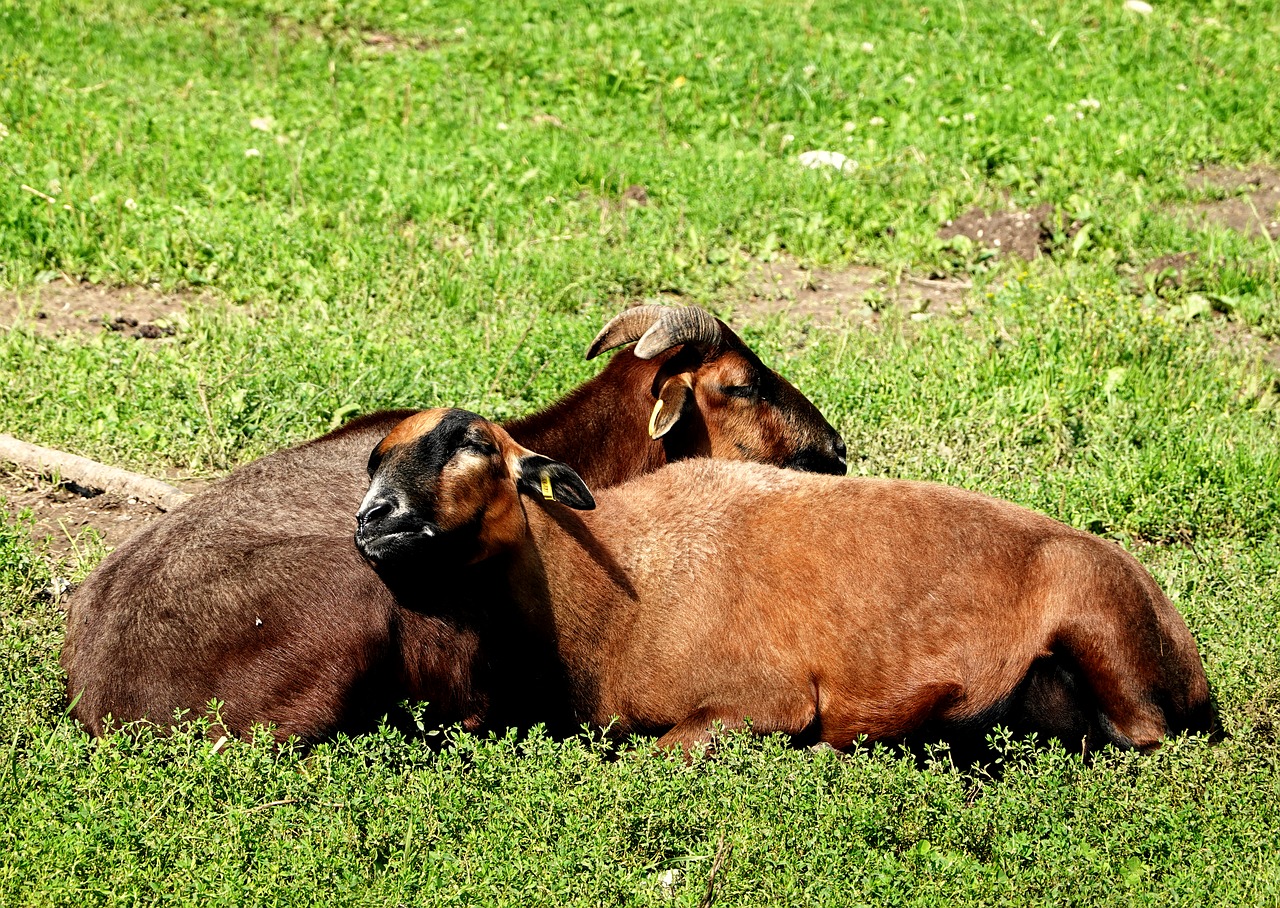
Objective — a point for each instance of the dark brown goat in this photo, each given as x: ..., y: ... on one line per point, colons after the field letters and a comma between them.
x: 826, y: 608
x: 253, y: 593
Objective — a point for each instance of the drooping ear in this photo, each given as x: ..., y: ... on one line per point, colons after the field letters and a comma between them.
x: 676, y: 394
x: 551, y: 480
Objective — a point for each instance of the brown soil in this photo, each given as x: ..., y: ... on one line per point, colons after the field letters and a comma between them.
x: 1172, y: 269
x: 62, y: 514
x: 1021, y: 233
x: 1253, y: 205
x: 1165, y: 274
x: 387, y: 43
x: 64, y: 307
x: 827, y: 296
x: 634, y: 196
x: 1244, y: 344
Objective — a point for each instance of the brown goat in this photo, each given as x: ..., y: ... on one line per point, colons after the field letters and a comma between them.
x: 830, y: 609
x: 253, y: 593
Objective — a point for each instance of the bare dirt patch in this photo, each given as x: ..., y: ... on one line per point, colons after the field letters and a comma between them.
x: 1252, y: 206
x: 387, y: 43
x: 829, y: 296
x: 61, y: 513
x: 80, y: 308
x: 1169, y: 272
x: 1244, y: 344
x: 1022, y: 233
x: 634, y: 196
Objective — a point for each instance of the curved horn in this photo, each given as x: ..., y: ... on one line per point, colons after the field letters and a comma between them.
x: 682, y: 325
x: 624, y: 328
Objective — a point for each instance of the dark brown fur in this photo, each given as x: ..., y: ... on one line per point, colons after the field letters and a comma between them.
x: 827, y: 608
x: 253, y: 593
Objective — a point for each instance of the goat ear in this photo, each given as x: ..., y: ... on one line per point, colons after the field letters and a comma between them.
x: 675, y: 395
x: 551, y: 480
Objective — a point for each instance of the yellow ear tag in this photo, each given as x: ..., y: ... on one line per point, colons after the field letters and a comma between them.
x: 653, y: 418
x: 546, y: 488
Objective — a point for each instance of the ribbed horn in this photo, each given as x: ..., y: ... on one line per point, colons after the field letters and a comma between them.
x: 624, y: 328
x: 679, y: 325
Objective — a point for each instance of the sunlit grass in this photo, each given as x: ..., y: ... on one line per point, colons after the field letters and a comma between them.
x: 399, y: 204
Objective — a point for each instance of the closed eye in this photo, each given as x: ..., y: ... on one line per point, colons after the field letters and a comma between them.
x: 743, y: 392
x: 483, y: 448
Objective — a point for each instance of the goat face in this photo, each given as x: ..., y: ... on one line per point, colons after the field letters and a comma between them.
x: 714, y: 397
x: 447, y: 482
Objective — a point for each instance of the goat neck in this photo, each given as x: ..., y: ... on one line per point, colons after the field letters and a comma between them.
x: 600, y: 428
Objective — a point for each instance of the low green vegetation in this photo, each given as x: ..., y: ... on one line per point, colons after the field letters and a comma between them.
x: 364, y: 205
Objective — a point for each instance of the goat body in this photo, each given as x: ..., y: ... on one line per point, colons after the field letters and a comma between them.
x: 834, y: 609
x: 253, y: 594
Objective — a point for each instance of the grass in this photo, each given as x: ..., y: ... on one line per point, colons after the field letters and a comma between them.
x: 414, y: 229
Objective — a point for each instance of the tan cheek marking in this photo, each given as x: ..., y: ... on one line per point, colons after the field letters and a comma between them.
x: 415, y: 426
x: 461, y: 494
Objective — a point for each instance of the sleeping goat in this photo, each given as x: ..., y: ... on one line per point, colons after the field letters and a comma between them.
x: 830, y: 609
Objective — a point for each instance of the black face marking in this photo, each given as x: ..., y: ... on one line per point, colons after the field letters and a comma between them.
x: 400, y: 524
x: 429, y: 453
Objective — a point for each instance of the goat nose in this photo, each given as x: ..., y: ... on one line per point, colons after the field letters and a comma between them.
x: 838, y: 447
x: 373, y: 511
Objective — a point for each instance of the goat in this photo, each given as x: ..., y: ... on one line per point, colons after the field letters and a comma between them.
x: 253, y: 594
x: 829, y: 609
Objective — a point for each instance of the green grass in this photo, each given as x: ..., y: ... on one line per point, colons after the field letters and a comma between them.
x: 412, y: 230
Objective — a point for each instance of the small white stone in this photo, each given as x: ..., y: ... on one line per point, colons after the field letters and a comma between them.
x: 816, y: 159
x: 1140, y: 7
x: 670, y: 879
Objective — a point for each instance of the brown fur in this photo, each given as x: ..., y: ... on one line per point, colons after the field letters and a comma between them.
x: 253, y: 593
x: 415, y: 426
x: 832, y: 609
